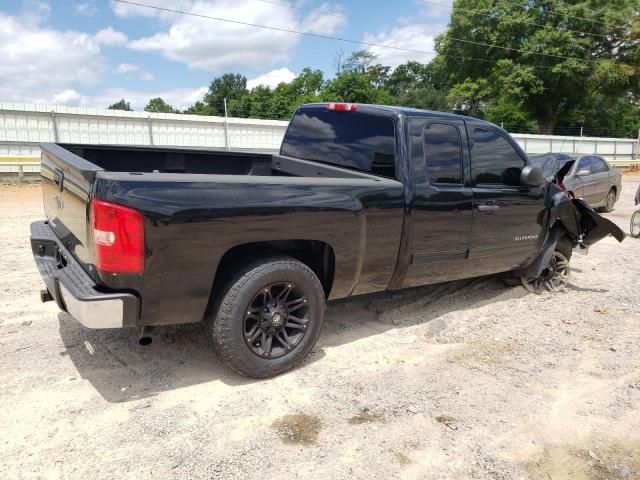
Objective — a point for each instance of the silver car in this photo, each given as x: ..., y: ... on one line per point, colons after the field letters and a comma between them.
x: 592, y: 179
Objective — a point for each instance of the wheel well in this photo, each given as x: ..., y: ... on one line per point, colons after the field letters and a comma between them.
x: 615, y: 190
x: 318, y: 256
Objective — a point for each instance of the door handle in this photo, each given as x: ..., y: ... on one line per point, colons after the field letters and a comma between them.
x: 488, y: 209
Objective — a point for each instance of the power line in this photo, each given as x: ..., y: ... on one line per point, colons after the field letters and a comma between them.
x: 347, y: 40
x: 477, y: 12
x: 563, y: 4
x: 277, y: 29
x: 595, y: 11
x: 449, y: 38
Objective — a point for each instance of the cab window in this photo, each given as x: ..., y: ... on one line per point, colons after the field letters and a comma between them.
x: 494, y: 161
x: 443, y: 153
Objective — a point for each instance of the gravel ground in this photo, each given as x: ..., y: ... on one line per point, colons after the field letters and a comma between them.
x: 469, y: 379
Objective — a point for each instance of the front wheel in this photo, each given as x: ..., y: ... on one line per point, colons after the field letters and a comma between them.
x: 269, y: 317
x: 634, y: 229
x: 553, y: 278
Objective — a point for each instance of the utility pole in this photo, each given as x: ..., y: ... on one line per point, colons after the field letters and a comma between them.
x: 226, y: 125
x: 580, y: 142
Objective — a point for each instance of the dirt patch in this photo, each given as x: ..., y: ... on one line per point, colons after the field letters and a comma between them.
x: 298, y: 428
x: 447, y: 420
x: 483, y: 351
x: 402, y: 458
x: 365, y: 416
x: 618, y: 461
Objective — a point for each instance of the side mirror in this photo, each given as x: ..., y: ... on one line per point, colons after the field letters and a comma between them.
x: 532, y: 176
x: 583, y: 173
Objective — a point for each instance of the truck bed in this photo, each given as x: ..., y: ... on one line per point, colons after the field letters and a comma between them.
x: 203, y: 207
x: 198, y: 161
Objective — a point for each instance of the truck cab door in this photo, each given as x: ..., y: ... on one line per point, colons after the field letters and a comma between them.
x: 442, y: 202
x: 508, y: 218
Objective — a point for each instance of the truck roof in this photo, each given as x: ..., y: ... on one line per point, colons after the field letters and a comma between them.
x: 392, y: 111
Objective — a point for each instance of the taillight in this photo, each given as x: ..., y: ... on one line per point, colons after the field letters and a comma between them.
x: 118, y: 238
x: 342, y: 107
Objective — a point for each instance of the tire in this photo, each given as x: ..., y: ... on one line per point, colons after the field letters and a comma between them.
x: 634, y: 228
x: 553, y: 282
x: 257, y: 306
x: 609, y: 201
x: 553, y: 278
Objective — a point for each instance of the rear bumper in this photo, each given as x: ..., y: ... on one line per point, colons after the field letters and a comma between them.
x: 73, y: 289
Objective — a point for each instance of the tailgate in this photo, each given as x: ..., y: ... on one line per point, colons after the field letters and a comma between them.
x: 67, y: 182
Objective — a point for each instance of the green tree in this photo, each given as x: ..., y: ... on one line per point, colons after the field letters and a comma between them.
x: 158, y: 105
x: 199, y: 108
x: 414, y: 84
x: 548, y: 88
x: 121, y: 105
x: 307, y: 87
x: 257, y: 103
x: 352, y: 86
x: 511, y: 117
x: 359, y: 80
x: 359, y: 61
x: 468, y: 97
x: 230, y: 86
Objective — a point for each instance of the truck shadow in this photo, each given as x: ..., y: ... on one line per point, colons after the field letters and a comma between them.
x: 181, y: 356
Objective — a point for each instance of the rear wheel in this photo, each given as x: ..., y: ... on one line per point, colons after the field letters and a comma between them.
x: 634, y: 229
x: 609, y: 201
x: 269, y: 317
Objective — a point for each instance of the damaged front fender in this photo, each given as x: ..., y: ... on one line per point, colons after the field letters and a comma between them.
x: 576, y: 220
x: 595, y: 227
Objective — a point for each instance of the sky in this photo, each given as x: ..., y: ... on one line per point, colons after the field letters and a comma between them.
x: 91, y: 53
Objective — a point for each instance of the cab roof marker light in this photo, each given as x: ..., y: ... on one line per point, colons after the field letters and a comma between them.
x: 342, y: 107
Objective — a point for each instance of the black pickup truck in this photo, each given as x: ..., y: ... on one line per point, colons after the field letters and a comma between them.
x: 360, y: 199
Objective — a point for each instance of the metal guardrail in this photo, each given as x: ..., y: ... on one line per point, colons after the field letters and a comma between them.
x: 23, y: 127
x: 20, y: 162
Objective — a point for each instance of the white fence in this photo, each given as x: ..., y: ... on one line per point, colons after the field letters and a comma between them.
x: 23, y: 126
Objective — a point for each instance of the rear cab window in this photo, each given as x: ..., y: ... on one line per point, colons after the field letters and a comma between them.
x: 353, y: 140
x: 494, y: 160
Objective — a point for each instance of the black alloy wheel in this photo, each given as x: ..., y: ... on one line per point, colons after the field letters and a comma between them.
x: 276, y: 321
x: 268, y: 316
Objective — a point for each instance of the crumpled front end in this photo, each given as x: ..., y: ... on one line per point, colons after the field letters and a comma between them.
x: 576, y: 220
x: 584, y: 225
